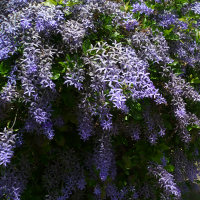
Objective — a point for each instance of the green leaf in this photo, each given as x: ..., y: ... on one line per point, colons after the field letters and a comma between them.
x: 86, y: 45
x: 4, y: 69
x: 117, y: 35
x: 174, y: 63
x: 167, y: 123
x: 127, y: 6
x: 56, y: 76
x: 138, y: 107
x: 127, y: 162
x: 163, y: 147
x: 50, y: 3
x: 167, y: 32
x: 109, y: 27
x: 190, y: 127
x: 195, y: 80
x: 169, y: 168
x: 137, y: 116
x: 71, y: 3
x: 157, y: 157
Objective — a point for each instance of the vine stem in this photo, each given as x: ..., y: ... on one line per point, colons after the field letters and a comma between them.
x: 14, y: 120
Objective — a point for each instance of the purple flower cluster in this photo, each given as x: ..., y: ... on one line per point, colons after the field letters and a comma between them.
x: 9, y: 92
x: 166, y: 180
x: 179, y: 90
x: 129, y: 22
x: 104, y: 158
x: 185, y: 169
x: 7, y: 144
x: 141, y: 8
x: 151, y: 47
x: 14, y: 179
x: 170, y: 20
x: 129, y: 71
x: 154, y: 125
x: 167, y: 19
x: 75, y: 78
x: 113, y: 75
x: 8, y: 30
x: 196, y: 8
x: 65, y: 170
x: 188, y: 50
x: 85, y: 121
x: 135, y: 132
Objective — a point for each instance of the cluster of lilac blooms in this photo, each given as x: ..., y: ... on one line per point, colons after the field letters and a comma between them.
x: 165, y: 180
x: 141, y: 8
x: 109, y: 78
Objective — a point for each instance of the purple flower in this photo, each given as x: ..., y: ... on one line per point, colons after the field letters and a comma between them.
x: 129, y: 22
x: 118, y: 99
x: 7, y: 144
x: 47, y: 129
x: 40, y: 115
x: 114, y: 193
x: 182, y: 25
x: 163, y: 161
x: 65, y: 171
x: 40, y: 25
x: 180, y: 113
x: 104, y: 157
x: 85, y: 126
x: 166, y: 19
x: 75, y: 78
x: 151, y: 47
x: 14, y: 179
x: 196, y: 8
x: 47, y: 83
x: 153, y: 138
x: 73, y: 33
x: 25, y: 23
x: 7, y: 46
x: 185, y: 168
x: 141, y: 8
x: 154, y: 125
x: 165, y: 180
x: 162, y: 131
x: 29, y: 91
x: 135, y: 132
x: 97, y: 190
x: 106, y: 124
x: 81, y: 183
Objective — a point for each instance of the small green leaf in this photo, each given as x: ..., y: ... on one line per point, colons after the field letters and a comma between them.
x: 167, y: 32
x: 116, y: 35
x: 4, y: 69
x: 168, y: 124
x: 157, y: 157
x: 50, y: 3
x: 127, y: 162
x: 71, y: 3
x: 137, y: 116
x: 190, y: 127
x: 195, y: 80
x: 86, y: 45
x: 109, y: 27
x: 169, y: 168
x: 174, y: 63
x: 162, y: 147
x: 56, y: 76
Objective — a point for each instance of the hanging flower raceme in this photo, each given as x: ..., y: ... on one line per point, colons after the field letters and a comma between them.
x: 116, y: 81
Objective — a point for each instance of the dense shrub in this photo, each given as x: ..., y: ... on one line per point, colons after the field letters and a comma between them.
x: 99, y: 99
